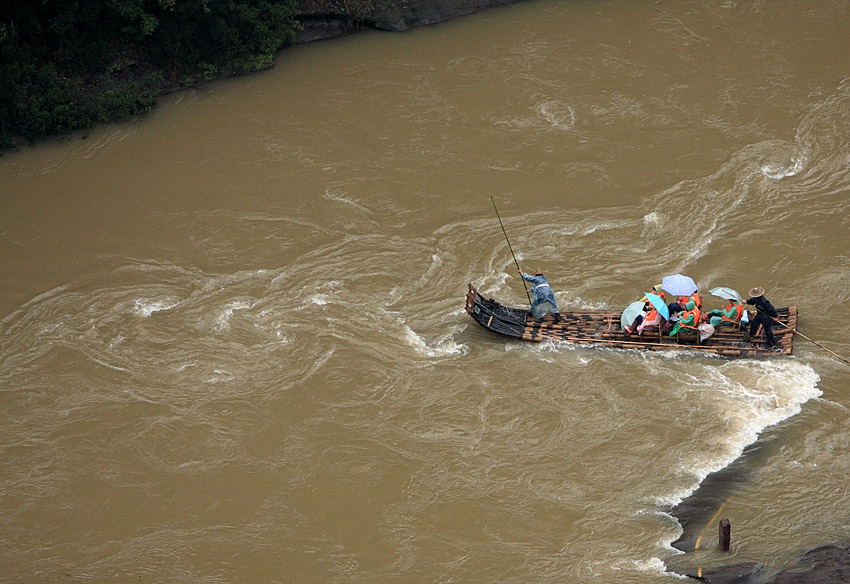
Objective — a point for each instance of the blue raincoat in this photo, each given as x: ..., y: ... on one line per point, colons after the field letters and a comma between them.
x: 544, y: 299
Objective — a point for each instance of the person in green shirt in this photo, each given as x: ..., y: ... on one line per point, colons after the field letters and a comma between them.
x: 729, y: 314
x: 689, y: 319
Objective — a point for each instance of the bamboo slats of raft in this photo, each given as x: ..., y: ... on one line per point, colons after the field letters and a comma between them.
x: 602, y: 328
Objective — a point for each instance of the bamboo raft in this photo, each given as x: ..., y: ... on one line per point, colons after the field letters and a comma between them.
x: 602, y: 328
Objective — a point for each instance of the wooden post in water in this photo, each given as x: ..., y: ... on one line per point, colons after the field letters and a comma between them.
x: 725, y: 532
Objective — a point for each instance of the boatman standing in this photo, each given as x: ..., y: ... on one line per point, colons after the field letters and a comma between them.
x: 766, y: 314
x: 544, y: 299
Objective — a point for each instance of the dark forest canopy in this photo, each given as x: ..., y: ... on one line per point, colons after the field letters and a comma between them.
x: 66, y: 64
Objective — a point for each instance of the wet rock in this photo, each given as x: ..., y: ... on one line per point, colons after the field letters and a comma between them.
x: 695, y: 511
x: 322, y: 19
x: 827, y: 564
x: 737, y: 574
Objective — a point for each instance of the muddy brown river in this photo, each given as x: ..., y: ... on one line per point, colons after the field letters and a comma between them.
x: 232, y: 338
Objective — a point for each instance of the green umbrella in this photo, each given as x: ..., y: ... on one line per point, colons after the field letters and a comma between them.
x: 726, y: 293
x: 631, y: 313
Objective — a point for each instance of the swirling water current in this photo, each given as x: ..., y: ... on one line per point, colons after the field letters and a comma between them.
x: 232, y: 338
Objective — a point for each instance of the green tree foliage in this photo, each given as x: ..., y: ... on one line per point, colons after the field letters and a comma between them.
x: 65, y: 64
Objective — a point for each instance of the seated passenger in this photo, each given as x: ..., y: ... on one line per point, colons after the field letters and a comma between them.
x: 543, y: 302
x: 689, y: 319
x: 652, y: 318
x: 658, y: 291
x: 683, y: 300
x: 675, y: 312
x: 729, y: 314
x: 649, y: 316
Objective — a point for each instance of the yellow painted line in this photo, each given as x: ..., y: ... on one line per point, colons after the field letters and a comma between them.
x: 710, y: 521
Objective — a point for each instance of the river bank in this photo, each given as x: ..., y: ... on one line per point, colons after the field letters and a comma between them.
x: 231, y: 328
x: 826, y: 564
x: 120, y: 63
x: 700, y: 514
x: 324, y: 19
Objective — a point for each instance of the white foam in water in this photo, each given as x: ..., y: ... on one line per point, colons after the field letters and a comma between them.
x: 328, y: 290
x: 579, y: 302
x: 653, y: 565
x: 777, y: 171
x: 220, y: 376
x: 757, y: 395
x: 320, y: 299
x: 223, y: 320
x: 146, y: 306
x: 777, y: 392
x: 753, y: 395
x: 442, y: 349
x: 653, y: 218
x: 281, y: 336
x: 557, y: 114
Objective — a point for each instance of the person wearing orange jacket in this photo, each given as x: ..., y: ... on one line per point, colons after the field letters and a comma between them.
x: 650, y: 316
x: 729, y: 314
x: 683, y: 300
x: 689, y: 319
x: 678, y: 305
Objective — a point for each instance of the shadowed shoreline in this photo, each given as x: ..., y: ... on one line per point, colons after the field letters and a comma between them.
x: 698, y: 514
x: 66, y: 68
x: 324, y: 19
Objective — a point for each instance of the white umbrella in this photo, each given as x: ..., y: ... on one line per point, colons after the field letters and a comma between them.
x: 679, y: 285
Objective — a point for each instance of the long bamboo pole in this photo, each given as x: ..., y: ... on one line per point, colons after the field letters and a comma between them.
x: 796, y: 332
x: 510, y: 248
